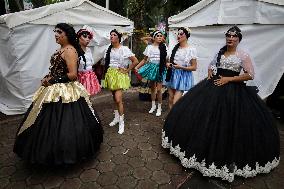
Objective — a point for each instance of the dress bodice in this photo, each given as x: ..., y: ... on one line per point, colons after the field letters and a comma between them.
x: 86, y: 66
x: 58, y: 67
x: 231, y: 62
x: 229, y: 66
x: 183, y: 56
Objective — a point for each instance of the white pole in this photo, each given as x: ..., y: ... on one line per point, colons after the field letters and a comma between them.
x: 7, y: 6
x: 107, y: 4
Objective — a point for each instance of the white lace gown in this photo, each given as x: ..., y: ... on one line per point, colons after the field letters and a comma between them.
x: 223, y: 131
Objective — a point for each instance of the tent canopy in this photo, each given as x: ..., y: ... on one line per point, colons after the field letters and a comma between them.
x: 259, y: 20
x: 210, y: 12
x: 27, y: 42
x: 74, y: 12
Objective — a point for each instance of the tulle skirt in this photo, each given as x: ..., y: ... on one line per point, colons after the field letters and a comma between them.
x: 150, y: 71
x: 181, y: 80
x: 115, y: 80
x: 222, y: 131
x: 90, y: 81
x: 60, y: 127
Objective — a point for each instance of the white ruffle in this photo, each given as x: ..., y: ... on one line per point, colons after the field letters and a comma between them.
x: 212, y: 171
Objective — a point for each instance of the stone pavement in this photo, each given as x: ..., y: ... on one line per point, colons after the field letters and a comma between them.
x: 132, y: 160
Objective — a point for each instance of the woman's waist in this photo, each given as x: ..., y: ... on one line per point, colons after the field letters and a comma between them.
x: 117, y: 66
x: 154, y: 61
x: 85, y: 72
x: 226, y: 72
x: 68, y: 92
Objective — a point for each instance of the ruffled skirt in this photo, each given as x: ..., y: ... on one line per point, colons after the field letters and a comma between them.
x: 181, y: 80
x: 90, y: 81
x: 222, y: 131
x: 150, y: 71
x: 115, y: 80
x: 60, y: 127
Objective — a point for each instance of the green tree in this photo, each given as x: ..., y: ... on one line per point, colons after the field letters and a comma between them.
x: 15, y: 5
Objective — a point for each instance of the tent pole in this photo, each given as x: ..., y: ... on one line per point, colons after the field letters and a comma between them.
x: 107, y: 4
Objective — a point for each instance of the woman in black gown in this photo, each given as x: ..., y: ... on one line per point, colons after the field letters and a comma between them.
x: 60, y: 127
x: 221, y: 127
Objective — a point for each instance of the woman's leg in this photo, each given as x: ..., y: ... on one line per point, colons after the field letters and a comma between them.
x: 160, y: 98
x: 177, y: 96
x: 116, y: 114
x: 119, y: 102
x: 171, y: 97
x: 153, y: 96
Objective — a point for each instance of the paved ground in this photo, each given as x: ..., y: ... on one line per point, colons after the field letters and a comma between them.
x: 132, y: 160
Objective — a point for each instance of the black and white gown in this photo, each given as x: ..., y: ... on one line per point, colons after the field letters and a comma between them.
x: 223, y: 131
x: 60, y: 127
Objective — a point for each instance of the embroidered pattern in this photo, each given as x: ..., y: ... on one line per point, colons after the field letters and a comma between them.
x: 225, y: 173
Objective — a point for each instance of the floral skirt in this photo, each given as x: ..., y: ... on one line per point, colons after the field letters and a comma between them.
x: 115, y: 80
x: 90, y: 81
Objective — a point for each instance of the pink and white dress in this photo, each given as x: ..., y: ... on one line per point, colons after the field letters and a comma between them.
x: 86, y: 75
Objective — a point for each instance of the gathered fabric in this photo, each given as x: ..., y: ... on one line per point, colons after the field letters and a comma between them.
x: 90, y: 81
x: 150, y: 71
x: 115, y: 80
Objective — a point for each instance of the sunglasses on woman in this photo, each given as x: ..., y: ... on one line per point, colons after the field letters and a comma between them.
x: 180, y: 34
x: 231, y: 35
x: 57, y: 31
x: 87, y: 36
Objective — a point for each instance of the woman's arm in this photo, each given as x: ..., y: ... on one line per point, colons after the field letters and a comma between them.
x: 71, y: 58
x: 225, y: 80
x: 134, y: 61
x: 142, y: 62
x: 192, y: 67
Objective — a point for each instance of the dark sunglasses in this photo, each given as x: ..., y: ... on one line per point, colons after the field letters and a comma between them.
x: 229, y: 35
x: 181, y: 33
x: 86, y: 36
x: 57, y: 31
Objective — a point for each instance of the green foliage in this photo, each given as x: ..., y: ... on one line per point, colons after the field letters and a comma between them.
x: 15, y: 5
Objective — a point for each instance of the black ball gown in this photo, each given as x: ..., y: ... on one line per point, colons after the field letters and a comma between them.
x: 60, y: 127
x: 223, y: 131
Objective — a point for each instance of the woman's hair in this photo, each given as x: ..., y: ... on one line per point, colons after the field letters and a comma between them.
x: 117, y: 33
x: 220, y: 53
x: 237, y: 30
x: 83, y: 31
x: 187, y: 33
x: 234, y: 29
x: 163, y: 58
x: 72, y: 38
x: 107, y: 58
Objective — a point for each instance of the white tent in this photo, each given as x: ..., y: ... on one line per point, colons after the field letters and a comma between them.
x: 262, y: 25
x: 27, y: 42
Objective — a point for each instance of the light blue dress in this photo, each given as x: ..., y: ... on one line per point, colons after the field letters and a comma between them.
x: 182, y: 80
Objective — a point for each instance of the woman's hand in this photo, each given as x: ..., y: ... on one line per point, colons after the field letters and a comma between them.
x: 44, y: 81
x: 123, y: 70
x: 176, y: 66
x: 210, y: 74
x: 222, y: 81
x: 169, y: 65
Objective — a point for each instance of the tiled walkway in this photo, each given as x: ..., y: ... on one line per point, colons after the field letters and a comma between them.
x: 132, y: 160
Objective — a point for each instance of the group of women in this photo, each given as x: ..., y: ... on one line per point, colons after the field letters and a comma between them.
x: 220, y: 127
